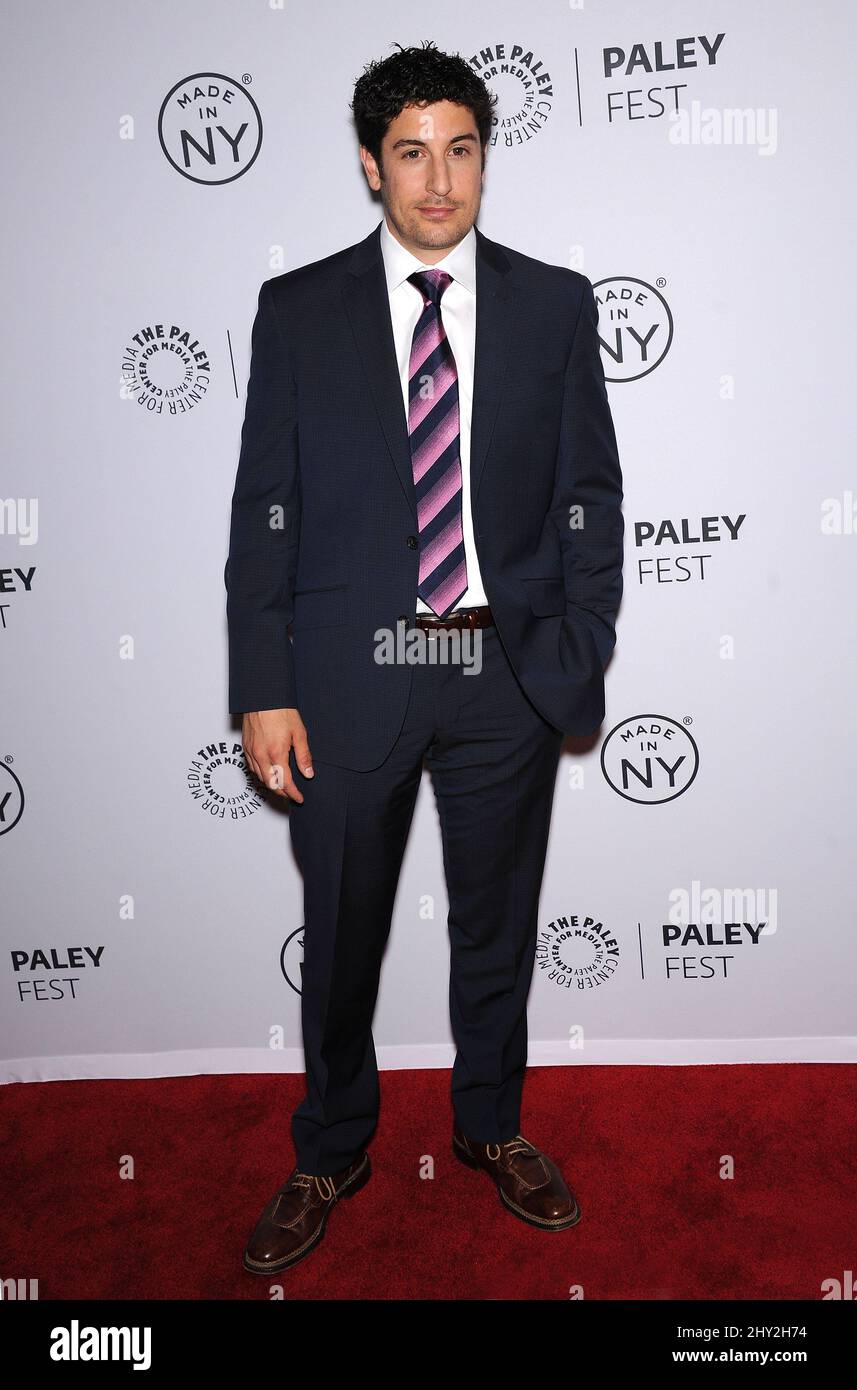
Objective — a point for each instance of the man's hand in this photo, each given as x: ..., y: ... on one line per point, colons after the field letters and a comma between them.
x: 268, y: 736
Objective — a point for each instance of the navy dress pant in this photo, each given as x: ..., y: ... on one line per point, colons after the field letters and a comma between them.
x: 493, y: 762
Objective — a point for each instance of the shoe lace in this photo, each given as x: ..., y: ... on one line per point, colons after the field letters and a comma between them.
x: 325, y: 1186
x: 518, y: 1145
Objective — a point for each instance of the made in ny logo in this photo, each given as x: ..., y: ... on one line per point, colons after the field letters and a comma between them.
x: 635, y: 326
x: 292, y: 960
x: 650, y: 758
x: 210, y: 128
x: 11, y: 797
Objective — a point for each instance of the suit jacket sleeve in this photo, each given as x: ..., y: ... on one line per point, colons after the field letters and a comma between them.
x: 586, y: 505
x: 265, y: 526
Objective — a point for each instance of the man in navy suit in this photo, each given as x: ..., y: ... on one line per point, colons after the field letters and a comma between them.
x: 427, y: 461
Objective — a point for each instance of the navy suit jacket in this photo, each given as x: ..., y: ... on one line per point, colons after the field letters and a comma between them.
x: 324, y: 513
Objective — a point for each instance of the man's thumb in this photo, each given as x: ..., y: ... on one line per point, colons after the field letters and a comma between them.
x: 303, y: 757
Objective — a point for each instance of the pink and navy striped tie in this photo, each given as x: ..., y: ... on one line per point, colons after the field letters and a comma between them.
x: 433, y: 426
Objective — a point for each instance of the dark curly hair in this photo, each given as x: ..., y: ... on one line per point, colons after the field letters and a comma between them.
x: 414, y: 76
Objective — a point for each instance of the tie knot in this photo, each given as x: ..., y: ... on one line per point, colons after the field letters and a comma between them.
x: 430, y: 283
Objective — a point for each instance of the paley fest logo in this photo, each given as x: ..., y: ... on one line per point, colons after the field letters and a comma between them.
x: 19, y: 518
x: 524, y: 90
x: 210, y: 128
x: 47, y: 974
x: 577, y: 952
x: 165, y: 369
x: 646, y: 80
x: 635, y: 326
x: 221, y: 782
x: 679, y: 548
x: 650, y: 758
x: 710, y: 931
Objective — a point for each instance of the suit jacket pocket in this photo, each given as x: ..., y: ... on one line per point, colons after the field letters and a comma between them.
x: 325, y: 607
x: 547, y: 596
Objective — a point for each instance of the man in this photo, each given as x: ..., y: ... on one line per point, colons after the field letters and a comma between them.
x: 427, y: 449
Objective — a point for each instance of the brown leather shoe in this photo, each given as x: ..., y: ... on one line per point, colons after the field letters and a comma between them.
x: 529, y: 1183
x: 293, y: 1222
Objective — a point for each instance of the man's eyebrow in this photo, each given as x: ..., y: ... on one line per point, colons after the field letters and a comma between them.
x: 456, y: 140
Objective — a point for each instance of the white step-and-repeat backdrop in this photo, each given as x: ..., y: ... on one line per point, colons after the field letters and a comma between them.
x: 694, y: 162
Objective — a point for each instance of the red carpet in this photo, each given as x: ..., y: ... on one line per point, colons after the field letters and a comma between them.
x: 641, y: 1146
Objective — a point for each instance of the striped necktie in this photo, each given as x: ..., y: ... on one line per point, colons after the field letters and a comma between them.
x: 433, y: 427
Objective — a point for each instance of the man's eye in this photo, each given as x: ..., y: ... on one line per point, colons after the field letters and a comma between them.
x: 457, y: 149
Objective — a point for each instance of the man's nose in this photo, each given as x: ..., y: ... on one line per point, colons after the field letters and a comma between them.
x: 438, y: 181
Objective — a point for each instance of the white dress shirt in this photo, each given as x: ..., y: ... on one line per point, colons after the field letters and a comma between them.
x: 458, y: 316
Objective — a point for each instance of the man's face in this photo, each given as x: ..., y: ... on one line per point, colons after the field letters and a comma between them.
x: 432, y: 184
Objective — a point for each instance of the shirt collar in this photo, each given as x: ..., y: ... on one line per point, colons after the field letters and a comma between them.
x: 399, y: 262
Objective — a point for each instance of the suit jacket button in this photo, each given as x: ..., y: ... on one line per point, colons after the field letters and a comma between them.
x: 413, y: 542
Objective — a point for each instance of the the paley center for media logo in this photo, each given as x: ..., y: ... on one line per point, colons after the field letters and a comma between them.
x: 520, y: 79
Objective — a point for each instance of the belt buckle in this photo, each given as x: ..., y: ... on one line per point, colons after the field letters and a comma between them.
x: 437, y: 626
x: 467, y: 619
x: 432, y: 630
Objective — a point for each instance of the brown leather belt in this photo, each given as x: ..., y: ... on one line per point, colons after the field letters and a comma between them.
x: 458, y: 618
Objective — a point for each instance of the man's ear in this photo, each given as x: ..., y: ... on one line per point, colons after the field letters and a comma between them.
x: 370, y: 168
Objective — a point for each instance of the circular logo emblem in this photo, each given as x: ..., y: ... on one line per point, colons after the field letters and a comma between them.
x: 524, y: 91
x: 165, y: 369
x: 649, y: 758
x: 292, y: 960
x: 222, y: 784
x: 577, y: 952
x: 210, y: 128
x: 635, y: 326
x: 11, y: 799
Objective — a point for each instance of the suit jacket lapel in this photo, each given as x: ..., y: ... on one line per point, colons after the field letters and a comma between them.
x: 367, y: 305
x: 495, y: 314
